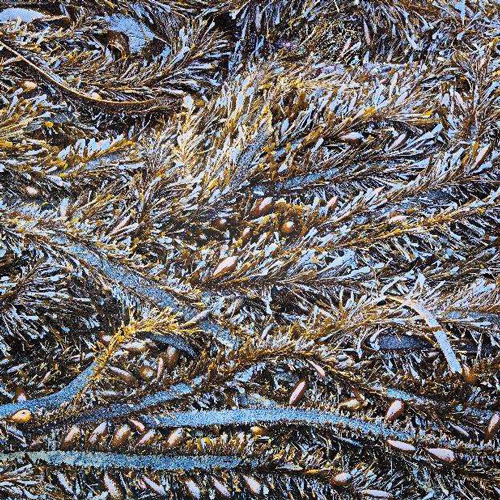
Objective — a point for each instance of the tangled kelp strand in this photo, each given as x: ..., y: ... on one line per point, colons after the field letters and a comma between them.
x: 249, y: 249
x: 104, y: 460
x: 274, y: 415
x: 133, y: 281
x: 93, y: 99
x: 52, y: 401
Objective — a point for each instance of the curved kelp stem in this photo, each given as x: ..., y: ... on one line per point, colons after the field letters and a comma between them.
x: 124, y: 409
x: 113, y: 106
x: 140, y: 285
x: 54, y: 400
x: 120, y: 274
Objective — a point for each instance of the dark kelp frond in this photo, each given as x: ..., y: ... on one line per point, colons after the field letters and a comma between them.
x: 249, y: 249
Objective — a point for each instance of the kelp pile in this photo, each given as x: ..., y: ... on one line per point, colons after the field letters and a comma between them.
x: 249, y: 249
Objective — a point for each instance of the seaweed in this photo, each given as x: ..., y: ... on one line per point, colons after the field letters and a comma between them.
x: 249, y: 249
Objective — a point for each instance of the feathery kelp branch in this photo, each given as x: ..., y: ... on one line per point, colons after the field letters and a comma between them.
x: 279, y: 218
x: 66, y: 245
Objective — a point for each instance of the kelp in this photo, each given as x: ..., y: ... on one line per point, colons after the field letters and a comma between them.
x: 249, y: 249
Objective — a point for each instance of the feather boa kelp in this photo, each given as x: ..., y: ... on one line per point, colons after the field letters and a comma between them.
x: 249, y: 249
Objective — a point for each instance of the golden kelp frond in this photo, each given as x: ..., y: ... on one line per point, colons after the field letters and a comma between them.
x: 249, y: 249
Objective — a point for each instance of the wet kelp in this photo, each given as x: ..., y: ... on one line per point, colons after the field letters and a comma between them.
x: 249, y: 249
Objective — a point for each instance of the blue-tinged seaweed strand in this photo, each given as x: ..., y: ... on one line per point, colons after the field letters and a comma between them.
x: 124, y: 409
x: 274, y: 416
x: 54, y: 400
x: 100, y: 460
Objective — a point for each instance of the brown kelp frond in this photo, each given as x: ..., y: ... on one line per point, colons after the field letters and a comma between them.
x: 102, y: 64
x: 249, y: 249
